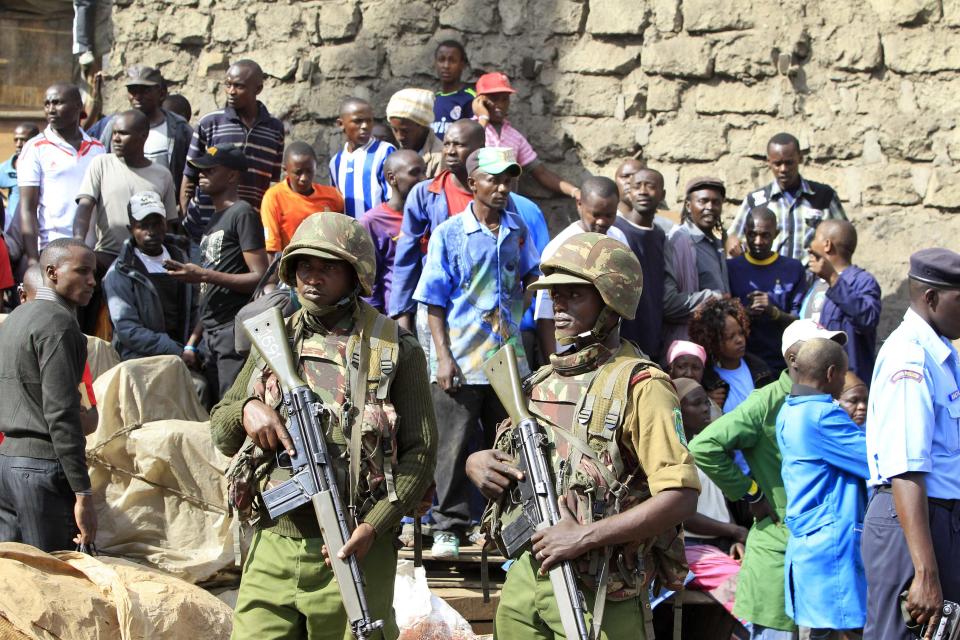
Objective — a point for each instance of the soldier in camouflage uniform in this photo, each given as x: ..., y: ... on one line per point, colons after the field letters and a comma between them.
x: 287, y: 590
x: 625, y: 478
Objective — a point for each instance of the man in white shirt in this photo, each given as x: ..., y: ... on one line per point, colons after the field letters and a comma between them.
x: 50, y: 170
x: 597, y: 206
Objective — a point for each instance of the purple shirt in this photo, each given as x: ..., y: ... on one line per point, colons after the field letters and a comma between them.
x: 383, y: 224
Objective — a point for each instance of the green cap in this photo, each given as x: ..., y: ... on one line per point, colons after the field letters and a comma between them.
x: 493, y: 160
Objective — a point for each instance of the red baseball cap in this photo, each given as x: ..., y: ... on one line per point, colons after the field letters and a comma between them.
x: 494, y: 83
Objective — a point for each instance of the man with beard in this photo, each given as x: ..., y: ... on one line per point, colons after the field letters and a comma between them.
x: 697, y: 270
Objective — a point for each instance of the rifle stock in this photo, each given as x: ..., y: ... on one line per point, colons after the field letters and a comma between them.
x: 314, y: 478
x: 269, y: 334
x: 504, y: 377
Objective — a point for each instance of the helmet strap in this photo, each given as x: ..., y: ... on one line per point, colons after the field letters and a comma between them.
x: 313, y: 311
x: 595, y: 335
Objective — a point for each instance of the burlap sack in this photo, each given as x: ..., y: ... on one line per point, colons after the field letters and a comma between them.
x: 157, y: 478
x: 72, y: 596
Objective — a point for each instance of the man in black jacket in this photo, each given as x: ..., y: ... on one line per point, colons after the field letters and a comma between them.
x: 45, y: 496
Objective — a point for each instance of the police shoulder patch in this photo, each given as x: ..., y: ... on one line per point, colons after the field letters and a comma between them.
x: 906, y: 374
x: 678, y: 425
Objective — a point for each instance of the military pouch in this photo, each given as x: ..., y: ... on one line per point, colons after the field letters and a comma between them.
x: 246, y: 472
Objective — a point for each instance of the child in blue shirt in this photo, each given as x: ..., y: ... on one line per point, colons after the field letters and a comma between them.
x: 455, y: 99
x: 824, y: 470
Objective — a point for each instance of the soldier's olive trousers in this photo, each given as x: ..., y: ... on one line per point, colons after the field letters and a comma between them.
x: 288, y: 592
x: 528, y: 609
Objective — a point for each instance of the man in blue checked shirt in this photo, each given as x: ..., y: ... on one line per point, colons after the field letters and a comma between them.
x: 478, y: 265
x: 911, y: 534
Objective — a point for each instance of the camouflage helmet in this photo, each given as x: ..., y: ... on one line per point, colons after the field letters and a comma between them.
x: 607, y: 264
x: 332, y: 236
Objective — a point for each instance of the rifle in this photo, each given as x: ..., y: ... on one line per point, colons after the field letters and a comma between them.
x: 537, y: 491
x: 314, y: 478
x: 947, y: 629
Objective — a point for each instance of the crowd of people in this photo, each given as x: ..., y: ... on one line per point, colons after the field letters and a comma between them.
x: 752, y: 342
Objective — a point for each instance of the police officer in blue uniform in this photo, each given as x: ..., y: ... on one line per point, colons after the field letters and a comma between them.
x: 911, y: 535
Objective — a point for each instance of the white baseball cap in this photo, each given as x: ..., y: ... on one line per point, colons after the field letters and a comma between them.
x: 803, y: 330
x: 146, y: 203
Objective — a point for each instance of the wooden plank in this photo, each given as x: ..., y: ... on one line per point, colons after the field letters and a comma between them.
x: 469, y: 602
x: 471, y: 554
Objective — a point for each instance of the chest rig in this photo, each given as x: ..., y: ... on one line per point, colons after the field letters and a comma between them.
x: 582, y: 401
x: 352, y: 374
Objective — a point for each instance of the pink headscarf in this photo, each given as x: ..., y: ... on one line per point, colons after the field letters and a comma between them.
x: 686, y: 348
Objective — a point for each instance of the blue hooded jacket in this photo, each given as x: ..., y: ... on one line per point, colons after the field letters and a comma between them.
x: 824, y: 471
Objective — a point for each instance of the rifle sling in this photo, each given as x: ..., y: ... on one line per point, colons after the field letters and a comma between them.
x: 359, y: 366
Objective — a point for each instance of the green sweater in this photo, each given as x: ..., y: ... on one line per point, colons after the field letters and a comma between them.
x: 42, y: 355
x: 416, y: 442
x: 751, y: 428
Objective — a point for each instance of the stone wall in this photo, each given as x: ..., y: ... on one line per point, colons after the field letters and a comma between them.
x: 692, y: 86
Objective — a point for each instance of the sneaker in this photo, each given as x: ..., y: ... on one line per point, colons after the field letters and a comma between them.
x: 406, y: 536
x: 446, y: 545
x: 476, y: 536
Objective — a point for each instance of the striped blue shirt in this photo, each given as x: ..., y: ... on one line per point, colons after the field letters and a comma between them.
x: 358, y: 175
x: 262, y: 145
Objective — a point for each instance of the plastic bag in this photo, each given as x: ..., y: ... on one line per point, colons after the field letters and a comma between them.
x: 422, y: 615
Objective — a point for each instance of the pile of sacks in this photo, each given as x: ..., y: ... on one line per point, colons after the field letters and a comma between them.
x: 73, y: 596
x: 157, y: 478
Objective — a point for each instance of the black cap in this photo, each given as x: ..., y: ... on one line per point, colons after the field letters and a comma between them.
x: 141, y: 75
x: 224, y: 155
x: 937, y: 267
x: 706, y: 182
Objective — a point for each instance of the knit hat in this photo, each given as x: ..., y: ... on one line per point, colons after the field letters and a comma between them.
x: 685, y: 386
x: 686, y: 348
x: 412, y: 104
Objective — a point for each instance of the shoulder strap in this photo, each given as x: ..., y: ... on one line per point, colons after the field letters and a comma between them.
x: 358, y: 350
x: 376, y: 359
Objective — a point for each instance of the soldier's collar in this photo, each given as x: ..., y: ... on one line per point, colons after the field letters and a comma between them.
x: 571, y: 363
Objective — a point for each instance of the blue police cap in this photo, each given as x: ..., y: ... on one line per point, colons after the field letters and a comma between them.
x: 937, y: 267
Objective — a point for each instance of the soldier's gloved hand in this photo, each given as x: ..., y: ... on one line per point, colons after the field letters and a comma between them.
x: 563, y: 541
x: 492, y: 471
x: 264, y: 427
x: 358, y: 545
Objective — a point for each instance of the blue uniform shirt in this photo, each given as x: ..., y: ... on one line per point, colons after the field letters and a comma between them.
x: 823, y: 470
x: 913, y: 416
x: 478, y: 278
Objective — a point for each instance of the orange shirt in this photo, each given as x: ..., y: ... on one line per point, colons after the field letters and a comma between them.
x: 283, y: 209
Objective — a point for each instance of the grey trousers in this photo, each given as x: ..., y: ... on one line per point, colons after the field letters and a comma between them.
x: 36, y: 504
x: 886, y: 560
x: 224, y: 359
x: 459, y: 417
